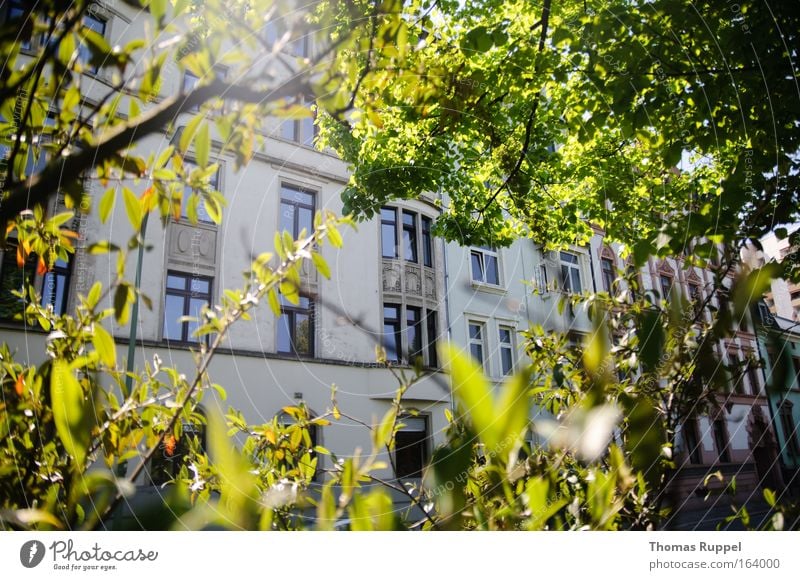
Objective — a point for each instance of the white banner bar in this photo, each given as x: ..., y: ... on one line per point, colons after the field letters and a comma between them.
x: 400, y: 555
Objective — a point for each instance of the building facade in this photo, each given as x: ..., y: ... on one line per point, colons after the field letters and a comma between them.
x: 395, y: 286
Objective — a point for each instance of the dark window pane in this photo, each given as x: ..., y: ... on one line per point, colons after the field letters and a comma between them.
x: 176, y: 282
x: 505, y: 336
x: 427, y: 243
x: 414, y: 332
x: 11, y: 279
x: 432, y: 335
x: 411, y: 448
x: 569, y: 258
x: 284, y: 333
x: 390, y: 341
x: 477, y: 266
x: 390, y: 312
x: 409, y: 236
x: 302, y: 338
x: 305, y: 221
x: 289, y: 130
x: 608, y: 274
x: 173, y: 310
x: 476, y: 350
x: 666, y: 286
x: 287, y: 217
x: 200, y: 286
x: 475, y: 331
x: 388, y: 241
x: 507, y: 360
x: 492, y: 273
x: 576, y: 281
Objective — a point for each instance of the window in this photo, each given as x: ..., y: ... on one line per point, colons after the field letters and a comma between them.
x: 695, y: 297
x: 432, y: 335
x: 666, y: 286
x: 691, y: 441
x: 302, y: 130
x: 570, y: 273
x: 17, y: 10
x: 188, y: 190
x: 12, y: 278
x: 409, y: 236
x: 607, y: 268
x: 55, y: 287
x: 634, y: 283
x: 427, y: 242
x: 721, y: 440
x: 789, y: 429
x: 411, y: 447
x: 412, y: 235
x: 796, y: 362
x: 297, y: 210
x: 476, y: 342
x: 389, y: 247
x: 506, y: 349
x: 296, y: 327
x: 92, y: 22
x: 276, y: 29
x: 415, y: 334
x: 752, y: 376
x: 736, y: 373
x: 173, y: 451
x: 392, y: 341
x: 189, y: 83
x: 185, y: 296
x: 485, y: 269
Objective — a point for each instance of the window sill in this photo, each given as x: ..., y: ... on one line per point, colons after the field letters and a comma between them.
x: 489, y: 288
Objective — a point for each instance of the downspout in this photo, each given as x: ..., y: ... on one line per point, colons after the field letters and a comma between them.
x: 447, y: 302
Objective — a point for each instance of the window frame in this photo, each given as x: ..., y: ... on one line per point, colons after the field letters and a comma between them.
x: 423, y: 444
x: 484, y: 254
x: 568, y: 270
x: 187, y: 294
x: 296, y: 207
x: 694, y: 451
x: 63, y: 270
x: 291, y: 312
x: 506, y: 346
x: 607, y: 273
x: 401, y: 327
x: 721, y: 439
x: 479, y: 342
x: 666, y: 292
x: 155, y: 471
x: 294, y: 130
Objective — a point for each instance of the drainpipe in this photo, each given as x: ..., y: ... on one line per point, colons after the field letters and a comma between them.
x: 135, y: 311
x: 447, y: 302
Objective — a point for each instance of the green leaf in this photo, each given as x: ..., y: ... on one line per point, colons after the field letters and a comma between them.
x: 187, y: 134
x: 274, y: 303
x: 94, y: 295
x: 107, y: 204
x: 104, y: 345
x: 71, y: 411
x: 335, y: 237
x: 472, y: 393
x: 321, y: 265
x: 121, y: 310
x: 133, y: 208
x: 202, y: 145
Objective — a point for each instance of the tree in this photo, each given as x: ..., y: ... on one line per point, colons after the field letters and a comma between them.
x: 663, y: 123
